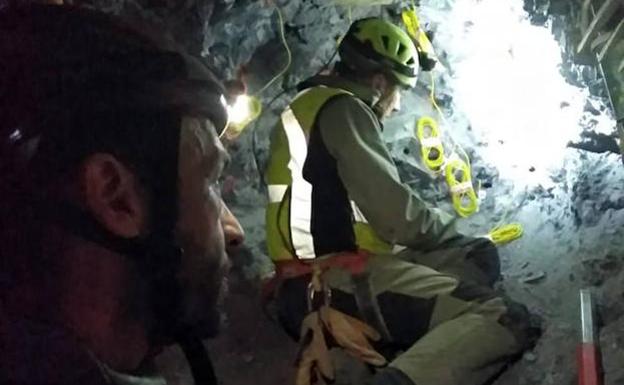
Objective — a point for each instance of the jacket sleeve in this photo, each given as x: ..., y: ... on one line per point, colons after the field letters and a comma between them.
x: 352, y: 135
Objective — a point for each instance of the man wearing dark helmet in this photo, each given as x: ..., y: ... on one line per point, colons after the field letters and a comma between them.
x: 114, y: 236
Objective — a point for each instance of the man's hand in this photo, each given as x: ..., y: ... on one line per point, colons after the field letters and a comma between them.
x: 352, y: 335
x: 484, y: 255
x: 313, y: 360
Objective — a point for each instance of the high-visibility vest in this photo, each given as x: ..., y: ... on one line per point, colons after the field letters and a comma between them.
x: 288, y: 214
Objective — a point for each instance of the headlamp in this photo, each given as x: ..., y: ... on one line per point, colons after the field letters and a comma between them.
x: 244, y: 110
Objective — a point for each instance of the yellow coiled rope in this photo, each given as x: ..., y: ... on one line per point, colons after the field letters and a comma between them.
x: 412, y: 25
x: 459, y: 180
x: 431, y: 147
x: 463, y: 195
x: 502, y: 235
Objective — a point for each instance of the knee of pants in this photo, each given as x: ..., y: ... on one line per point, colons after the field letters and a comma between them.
x: 466, y: 350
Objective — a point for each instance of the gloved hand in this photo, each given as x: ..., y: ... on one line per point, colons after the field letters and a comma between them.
x: 484, y: 255
x: 313, y: 360
x: 352, y: 335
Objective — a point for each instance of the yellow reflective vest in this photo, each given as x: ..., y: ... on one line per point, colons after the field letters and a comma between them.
x: 289, y: 211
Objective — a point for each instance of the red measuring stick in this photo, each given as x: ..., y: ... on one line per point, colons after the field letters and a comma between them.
x: 588, y: 355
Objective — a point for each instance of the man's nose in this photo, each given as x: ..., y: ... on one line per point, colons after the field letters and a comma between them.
x: 397, y: 102
x: 232, y: 229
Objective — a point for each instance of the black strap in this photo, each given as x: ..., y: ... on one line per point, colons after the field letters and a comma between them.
x: 199, y: 361
x: 83, y: 225
x: 156, y: 258
x: 368, y: 306
x: 158, y: 261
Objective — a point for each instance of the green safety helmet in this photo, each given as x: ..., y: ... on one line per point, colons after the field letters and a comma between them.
x: 374, y: 44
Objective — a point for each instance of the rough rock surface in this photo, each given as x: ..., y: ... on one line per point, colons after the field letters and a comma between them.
x: 573, y: 218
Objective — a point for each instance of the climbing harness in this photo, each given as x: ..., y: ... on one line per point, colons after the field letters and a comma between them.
x: 322, y: 320
x: 354, y: 263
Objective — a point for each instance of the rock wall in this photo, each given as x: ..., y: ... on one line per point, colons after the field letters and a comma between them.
x: 563, y: 18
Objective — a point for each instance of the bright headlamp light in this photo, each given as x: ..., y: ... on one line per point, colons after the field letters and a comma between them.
x: 244, y: 110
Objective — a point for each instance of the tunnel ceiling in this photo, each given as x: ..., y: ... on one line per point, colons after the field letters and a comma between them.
x: 514, y: 94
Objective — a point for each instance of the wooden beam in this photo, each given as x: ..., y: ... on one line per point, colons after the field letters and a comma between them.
x: 601, y: 18
x: 616, y: 36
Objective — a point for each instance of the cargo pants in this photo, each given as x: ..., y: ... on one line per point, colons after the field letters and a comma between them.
x: 445, y: 325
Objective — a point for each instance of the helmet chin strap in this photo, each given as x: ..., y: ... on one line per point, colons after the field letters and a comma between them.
x: 199, y: 361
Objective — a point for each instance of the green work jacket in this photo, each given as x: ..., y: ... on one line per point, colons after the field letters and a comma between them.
x: 329, y: 140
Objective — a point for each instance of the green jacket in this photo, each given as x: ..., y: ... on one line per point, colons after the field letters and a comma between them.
x: 351, y: 135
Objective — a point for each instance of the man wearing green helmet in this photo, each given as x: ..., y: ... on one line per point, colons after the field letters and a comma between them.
x: 359, y: 256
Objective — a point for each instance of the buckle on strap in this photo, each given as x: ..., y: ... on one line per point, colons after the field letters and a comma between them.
x: 319, y: 293
x: 317, y: 286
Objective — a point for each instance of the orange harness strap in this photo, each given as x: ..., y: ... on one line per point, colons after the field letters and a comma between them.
x: 355, y: 263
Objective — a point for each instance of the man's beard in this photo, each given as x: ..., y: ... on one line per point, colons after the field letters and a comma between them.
x: 180, y: 310
x: 208, y: 324
x: 382, y: 111
x: 377, y: 110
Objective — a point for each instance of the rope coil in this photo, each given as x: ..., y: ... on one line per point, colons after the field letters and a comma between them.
x: 502, y: 235
x: 431, y: 147
x: 457, y: 170
x: 459, y: 180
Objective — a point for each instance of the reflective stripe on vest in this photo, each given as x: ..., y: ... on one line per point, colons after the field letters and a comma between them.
x: 277, y: 192
x: 358, y: 216
x: 300, y: 189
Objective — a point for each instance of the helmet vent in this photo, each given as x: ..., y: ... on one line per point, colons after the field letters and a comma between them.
x: 402, y: 49
x: 386, y: 42
x: 410, y: 61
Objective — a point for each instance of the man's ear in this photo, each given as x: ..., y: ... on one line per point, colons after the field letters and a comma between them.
x: 112, y: 195
x: 379, y: 82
